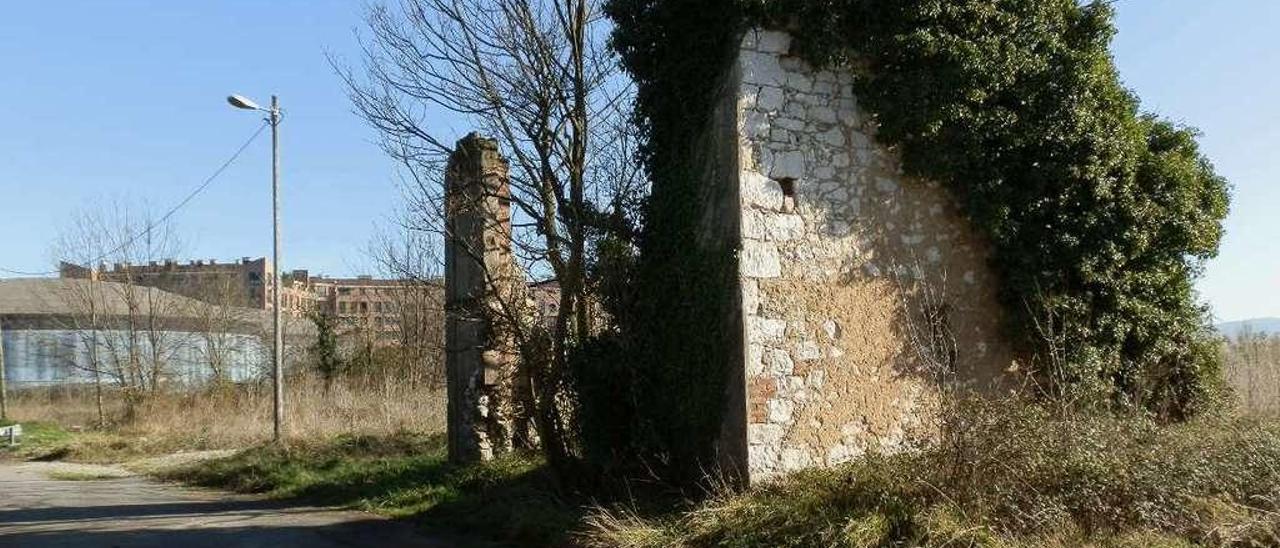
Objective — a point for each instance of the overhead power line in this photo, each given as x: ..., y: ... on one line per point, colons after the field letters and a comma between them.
x: 168, y: 214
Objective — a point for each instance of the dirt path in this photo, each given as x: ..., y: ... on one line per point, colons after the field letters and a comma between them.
x: 106, y: 506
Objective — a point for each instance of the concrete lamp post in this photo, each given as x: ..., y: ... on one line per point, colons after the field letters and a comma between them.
x: 273, y: 117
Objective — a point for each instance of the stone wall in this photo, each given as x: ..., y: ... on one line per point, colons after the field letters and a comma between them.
x: 836, y: 248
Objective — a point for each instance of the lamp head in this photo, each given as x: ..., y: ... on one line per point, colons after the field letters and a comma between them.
x: 240, y: 101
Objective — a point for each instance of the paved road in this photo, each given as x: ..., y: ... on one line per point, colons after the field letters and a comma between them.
x: 37, y: 511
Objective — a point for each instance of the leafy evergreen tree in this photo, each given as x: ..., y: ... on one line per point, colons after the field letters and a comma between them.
x: 325, y: 348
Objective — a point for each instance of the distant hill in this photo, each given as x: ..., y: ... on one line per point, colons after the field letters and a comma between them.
x: 1269, y: 326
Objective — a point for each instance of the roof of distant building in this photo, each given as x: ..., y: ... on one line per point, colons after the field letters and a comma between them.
x: 55, y: 302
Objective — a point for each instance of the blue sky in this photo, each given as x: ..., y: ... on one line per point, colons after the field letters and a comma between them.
x: 124, y: 100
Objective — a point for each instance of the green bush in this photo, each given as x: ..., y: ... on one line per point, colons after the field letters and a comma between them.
x: 604, y: 386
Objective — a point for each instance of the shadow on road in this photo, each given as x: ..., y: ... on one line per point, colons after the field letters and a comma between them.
x: 369, y: 533
x: 39, y: 512
x: 123, y: 512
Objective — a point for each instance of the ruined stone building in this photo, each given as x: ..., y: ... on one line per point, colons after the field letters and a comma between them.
x: 483, y: 290
x: 846, y: 270
x: 488, y: 302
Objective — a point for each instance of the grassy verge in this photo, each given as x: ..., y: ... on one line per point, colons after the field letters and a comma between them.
x: 39, y: 439
x: 509, y: 499
x: 1010, y: 477
x: 46, y: 441
x: 68, y: 475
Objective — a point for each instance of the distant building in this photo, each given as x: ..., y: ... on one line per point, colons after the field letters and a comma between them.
x: 545, y: 298
x: 245, y: 283
x: 361, y: 302
x: 364, y: 301
x: 59, y: 331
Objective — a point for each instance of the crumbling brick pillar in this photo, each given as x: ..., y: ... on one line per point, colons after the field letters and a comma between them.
x: 481, y: 279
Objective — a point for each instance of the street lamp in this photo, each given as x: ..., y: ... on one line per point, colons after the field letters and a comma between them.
x: 278, y: 342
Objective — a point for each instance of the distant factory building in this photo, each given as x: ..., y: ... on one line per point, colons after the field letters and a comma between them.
x: 362, y: 304
x: 243, y: 283
x: 69, y: 330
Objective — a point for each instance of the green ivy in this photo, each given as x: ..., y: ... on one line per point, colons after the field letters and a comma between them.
x: 675, y: 325
x: 1099, y: 216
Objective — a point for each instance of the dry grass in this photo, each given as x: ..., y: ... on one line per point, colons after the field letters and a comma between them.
x: 1023, y: 476
x: 511, y: 499
x: 1253, y: 372
x: 231, y: 416
x: 83, y: 476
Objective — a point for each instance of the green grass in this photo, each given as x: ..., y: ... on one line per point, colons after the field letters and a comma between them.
x: 39, y: 440
x: 511, y: 498
x: 47, y: 441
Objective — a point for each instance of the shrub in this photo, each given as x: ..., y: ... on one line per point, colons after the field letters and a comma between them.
x: 1024, y: 475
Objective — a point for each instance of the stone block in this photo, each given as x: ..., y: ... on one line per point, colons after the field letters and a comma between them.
x: 787, y: 165
x: 755, y: 124
x: 762, y: 69
x: 753, y: 224
x: 795, y: 458
x: 783, y: 228
x: 799, y: 81
x: 842, y: 453
x: 816, y: 379
x: 760, y: 260
x: 750, y: 297
x: 778, y: 363
x: 769, y: 41
x: 755, y: 360
x: 823, y: 114
x: 765, y: 434
x: 832, y: 329
x: 764, y: 330
x: 781, y: 136
x: 760, y: 191
x: 770, y: 99
x: 780, y: 411
x: 789, y: 123
x: 832, y: 137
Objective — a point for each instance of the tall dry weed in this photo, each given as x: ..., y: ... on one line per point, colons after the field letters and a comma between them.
x: 237, y: 415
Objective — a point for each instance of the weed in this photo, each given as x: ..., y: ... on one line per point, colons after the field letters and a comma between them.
x: 1024, y: 477
x: 511, y: 498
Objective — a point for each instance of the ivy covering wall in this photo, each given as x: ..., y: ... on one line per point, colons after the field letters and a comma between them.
x: 1099, y: 216
x: 678, y: 341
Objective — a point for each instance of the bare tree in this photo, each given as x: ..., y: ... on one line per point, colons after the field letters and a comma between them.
x: 220, y: 325
x: 1252, y: 364
x: 536, y: 75
x: 125, y: 324
x: 82, y: 243
x: 417, y: 303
